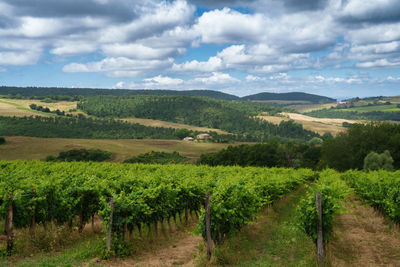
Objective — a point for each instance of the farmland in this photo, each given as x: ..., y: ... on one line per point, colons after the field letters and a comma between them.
x: 31, y: 148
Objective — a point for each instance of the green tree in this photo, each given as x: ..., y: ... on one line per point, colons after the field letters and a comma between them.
x: 374, y: 161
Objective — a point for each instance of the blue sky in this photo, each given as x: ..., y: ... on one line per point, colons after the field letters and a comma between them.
x: 337, y: 48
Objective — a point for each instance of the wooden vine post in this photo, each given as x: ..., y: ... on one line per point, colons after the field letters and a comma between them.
x: 320, y: 241
x: 10, y: 234
x: 208, y: 226
x: 109, y: 229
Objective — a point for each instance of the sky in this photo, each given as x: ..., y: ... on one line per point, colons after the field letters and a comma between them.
x: 336, y: 48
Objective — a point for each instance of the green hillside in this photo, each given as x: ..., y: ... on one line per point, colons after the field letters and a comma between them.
x: 295, y: 96
x: 232, y: 116
x: 66, y: 93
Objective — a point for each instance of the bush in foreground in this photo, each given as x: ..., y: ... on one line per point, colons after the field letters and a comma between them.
x: 81, y: 155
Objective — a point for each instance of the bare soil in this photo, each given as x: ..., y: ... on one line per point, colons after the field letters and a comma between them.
x: 364, y: 237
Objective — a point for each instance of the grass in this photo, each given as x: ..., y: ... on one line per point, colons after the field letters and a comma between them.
x: 166, y: 124
x: 383, y: 108
x: 13, y: 109
x: 33, y: 148
x: 363, y: 237
x: 85, y: 249
x: 272, y: 240
x: 319, y: 125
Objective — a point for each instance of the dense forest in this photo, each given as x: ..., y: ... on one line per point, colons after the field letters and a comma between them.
x: 59, y: 93
x: 348, y: 150
x: 73, y: 93
x: 80, y: 127
x: 293, y: 96
x: 231, y: 116
x: 271, y: 154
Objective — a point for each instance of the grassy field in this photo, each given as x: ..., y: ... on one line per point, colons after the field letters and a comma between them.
x: 24, y: 104
x: 319, y: 125
x: 32, y: 148
x: 12, y: 109
x: 384, y: 108
x: 166, y: 124
x: 310, y: 107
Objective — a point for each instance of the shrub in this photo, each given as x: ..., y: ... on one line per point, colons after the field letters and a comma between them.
x: 81, y: 155
x: 374, y: 161
x: 2, y: 140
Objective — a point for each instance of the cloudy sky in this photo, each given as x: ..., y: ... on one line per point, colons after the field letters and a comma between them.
x: 338, y: 48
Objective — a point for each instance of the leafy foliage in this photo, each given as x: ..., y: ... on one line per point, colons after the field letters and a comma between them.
x: 143, y: 194
x: 333, y: 191
x: 348, y: 150
x: 80, y: 127
x: 155, y: 157
x: 380, y: 188
x: 271, y: 154
x: 374, y: 161
x: 81, y: 155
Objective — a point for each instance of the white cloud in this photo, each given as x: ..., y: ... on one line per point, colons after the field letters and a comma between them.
x: 119, y: 66
x: 137, y: 51
x: 217, y: 78
x: 166, y: 16
x: 252, y: 78
x: 19, y: 58
x: 70, y: 48
x: 163, y: 80
x: 378, y: 63
x: 213, y: 64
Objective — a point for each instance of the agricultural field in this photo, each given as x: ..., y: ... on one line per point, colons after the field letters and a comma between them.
x: 32, y: 148
x: 383, y: 108
x: 266, y: 204
x: 167, y: 124
x: 310, y: 107
x: 319, y: 125
x: 23, y: 104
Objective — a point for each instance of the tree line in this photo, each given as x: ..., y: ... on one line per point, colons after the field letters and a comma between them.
x: 363, y: 146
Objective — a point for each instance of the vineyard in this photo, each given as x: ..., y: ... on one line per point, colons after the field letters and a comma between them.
x: 134, y: 197
x: 143, y: 195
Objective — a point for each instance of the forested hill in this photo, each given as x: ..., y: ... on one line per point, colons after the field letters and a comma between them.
x: 59, y: 93
x: 295, y: 96
x: 68, y: 93
x: 232, y: 116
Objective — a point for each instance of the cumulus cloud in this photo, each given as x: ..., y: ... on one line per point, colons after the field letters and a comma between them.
x: 119, y: 66
x: 217, y: 78
x: 261, y: 40
x: 163, y: 80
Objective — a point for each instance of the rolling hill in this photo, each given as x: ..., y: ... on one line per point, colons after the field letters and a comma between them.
x: 294, y: 96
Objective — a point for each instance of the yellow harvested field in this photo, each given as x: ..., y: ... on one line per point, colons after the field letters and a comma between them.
x: 319, y: 125
x: 33, y: 148
x: 62, y: 105
x: 7, y: 109
x: 165, y: 124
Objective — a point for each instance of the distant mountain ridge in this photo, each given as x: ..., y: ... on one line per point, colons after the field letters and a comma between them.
x: 58, y: 91
x: 293, y: 96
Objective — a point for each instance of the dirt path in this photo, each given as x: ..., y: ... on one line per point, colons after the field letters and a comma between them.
x: 363, y: 237
x: 177, y: 248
